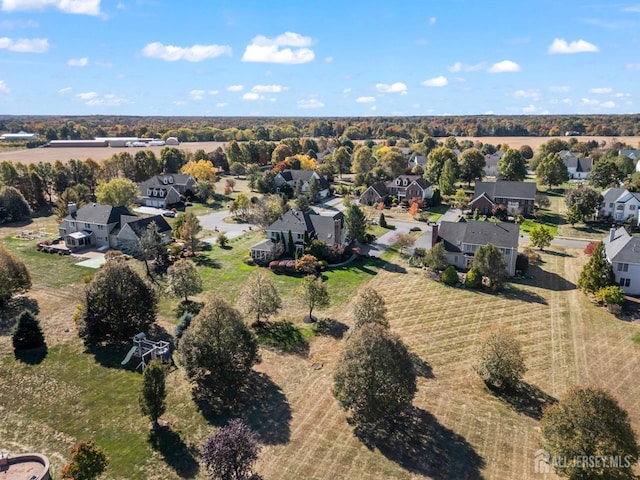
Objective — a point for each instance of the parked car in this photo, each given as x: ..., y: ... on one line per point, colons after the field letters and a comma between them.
x: 169, y: 213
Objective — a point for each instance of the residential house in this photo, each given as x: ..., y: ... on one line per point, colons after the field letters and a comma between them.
x: 462, y: 239
x: 161, y: 191
x: 132, y: 228
x: 418, y: 160
x: 375, y: 194
x: 622, y: 251
x: 491, y: 163
x: 632, y: 153
x: 518, y: 197
x: 292, y: 177
x: 104, y: 227
x: 620, y: 204
x: 404, y: 187
x: 309, y: 224
x: 578, y: 167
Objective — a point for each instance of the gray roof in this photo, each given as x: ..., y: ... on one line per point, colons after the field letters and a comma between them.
x: 305, y: 175
x: 98, y: 214
x: 456, y: 234
x: 623, y: 248
x: 140, y: 224
x: 380, y: 188
x: 157, y: 181
x: 504, y: 189
x: 610, y: 195
x: 581, y: 164
x: 317, y: 226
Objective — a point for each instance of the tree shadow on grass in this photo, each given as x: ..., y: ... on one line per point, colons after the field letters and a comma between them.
x: 550, y: 281
x: 262, y: 405
x: 177, y: 454
x: 283, y: 336
x: 422, y: 367
x: 32, y: 356
x: 416, y: 441
x: 555, y: 253
x: 331, y: 328
x: 524, y: 398
x: 527, y: 296
x: 206, y: 261
x: 12, y: 309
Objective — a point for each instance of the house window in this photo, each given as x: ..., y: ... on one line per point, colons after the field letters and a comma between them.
x: 611, y: 205
x: 299, y: 236
x: 623, y: 267
x: 632, y: 207
x: 625, y: 282
x: 100, y: 227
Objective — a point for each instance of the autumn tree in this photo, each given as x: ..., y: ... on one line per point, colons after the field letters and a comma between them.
x: 436, y: 257
x: 117, y: 304
x: 540, y: 236
x: 363, y: 161
x: 259, y: 297
x: 183, y: 279
x: 375, y: 378
x: 307, y: 264
x: 153, y: 395
x: 586, y: 200
x: 589, y: 423
x: 231, y: 452
x: 500, y: 361
x: 551, y: 170
x: 189, y: 229
x: 119, y: 191
x: 14, y: 275
x: 471, y: 163
x: 490, y: 263
x: 88, y: 462
x: 202, y: 170
x: 369, y: 307
x: 218, y: 350
x: 574, y: 215
x: 512, y: 166
x: 597, y: 272
x: 313, y: 293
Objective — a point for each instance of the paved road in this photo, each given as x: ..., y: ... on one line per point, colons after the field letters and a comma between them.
x: 381, y: 244
x: 215, y: 222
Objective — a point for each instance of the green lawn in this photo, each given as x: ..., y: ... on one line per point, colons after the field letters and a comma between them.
x: 550, y: 221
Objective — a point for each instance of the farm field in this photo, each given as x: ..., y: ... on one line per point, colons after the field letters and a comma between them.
x: 459, y: 429
x: 35, y: 155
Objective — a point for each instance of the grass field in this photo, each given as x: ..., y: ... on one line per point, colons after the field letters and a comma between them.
x: 458, y: 428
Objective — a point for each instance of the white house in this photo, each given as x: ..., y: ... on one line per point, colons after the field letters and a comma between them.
x: 620, y: 204
x: 162, y: 191
x: 622, y: 251
x: 578, y: 167
x: 491, y: 163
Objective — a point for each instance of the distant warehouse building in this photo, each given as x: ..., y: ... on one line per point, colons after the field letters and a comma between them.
x: 19, y: 136
x: 77, y: 143
x: 117, y: 141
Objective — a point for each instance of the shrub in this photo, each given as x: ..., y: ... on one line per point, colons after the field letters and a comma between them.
x: 415, y: 229
x: 532, y: 256
x: 450, y: 276
x: 522, y: 262
x: 222, y: 240
x: 181, y: 327
x: 612, y: 295
x: 27, y: 332
x: 248, y: 260
x: 473, y: 279
x: 588, y: 250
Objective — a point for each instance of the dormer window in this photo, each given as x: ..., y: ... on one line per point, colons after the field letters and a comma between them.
x: 163, y: 193
x: 170, y: 179
x: 406, y: 182
x: 164, y: 180
x: 398, y: 181
x: 149, y: 192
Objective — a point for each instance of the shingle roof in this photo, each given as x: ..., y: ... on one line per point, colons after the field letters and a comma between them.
x: 140, y: 224
x: 305, y: 176
x: 455, y: 234
x: 504, y: 189
x: 623, y: 248
x: 380, y: 188
x: 294, y: 220
x: 157, y: 181
x: 98, y: 214
x: 610, y: 195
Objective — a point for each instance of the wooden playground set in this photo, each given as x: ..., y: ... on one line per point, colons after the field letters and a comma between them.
x: 147, y: 351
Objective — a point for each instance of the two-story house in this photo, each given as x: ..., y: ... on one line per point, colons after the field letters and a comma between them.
x: 299, y: 225
x: 132, y: 229
x: 462, y: 239
x: 491, y: 160
x: 404, y: 187
x: 578, y: 167
x: 622, y: 251
x: 517, y: 197
x: 621, y: 205
x: 161, y: 191
x: 292, y: 177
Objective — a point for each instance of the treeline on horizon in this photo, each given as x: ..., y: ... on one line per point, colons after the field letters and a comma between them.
x: 224, y: 129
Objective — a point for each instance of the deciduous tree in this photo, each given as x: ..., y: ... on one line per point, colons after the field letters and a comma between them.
x: 13, y: 206
x: 586, y: 200
x: 14, y: 275
x: 119, y: 191
x: 597, y: 272
x: 500, y: 360
x: 512, y: 166
x: 551, y: 170
x: 259, y: 296
x: 588, y: 423
x: 435, y: 162
x: 189, y: 229
x: 313, y: 293
x: 88, y: 462
x: 605, y: 174
x: 540, y: 236
x: 183, y: 279
x: 231, y: 452
x: 369, y: 307
x: 471, y: 163
x: 200, y: 170
x: 436, y: 257
x: 490, y: 263
x: 448, y: 177
x: 375, y: 377
x: 153, y: 395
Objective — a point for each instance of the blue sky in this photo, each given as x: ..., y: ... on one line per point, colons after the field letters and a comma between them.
x: 329, y: 58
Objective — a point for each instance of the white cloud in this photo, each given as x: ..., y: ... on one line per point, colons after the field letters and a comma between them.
x: 560, y: 45
x: 534, y: 94
x: 601, y: 90
x: 310, y: 103
x: 78, y: 62
x: 415, y: 105
x: 222, y: 104
x: 633, y: 66
x: 346, y: 91
x: 504, y: 66
x: 86, y: 95
x: 4, y: 88
x: 213, y: 92
x: 440, y: 81
x: 397, y: 87
x: 269, y: 50
x: 196, y: 94
x: 560, y: 89
x: 365, y: 99
x: 195, y: 53
x: 25, y: 45
x: 252, y: 96
x: 329, y: 59
x: 609, y: 104
x: 235, y: 88
x: 268, y: 88
x: 432, y: 20
x: 488, y: 112
x: 107, y: 100
x: 81, y: 7
x: 373, y: 108
x: 64, y: 90
x: 530, y: 109
x: 461, y: 67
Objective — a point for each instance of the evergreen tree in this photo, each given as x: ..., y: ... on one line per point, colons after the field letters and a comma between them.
x: 27, y: 333
x: 448, y: 177
x: 489, y: 262
x: 597, y: 272
x: 355, y: 223
x: 153, y: 395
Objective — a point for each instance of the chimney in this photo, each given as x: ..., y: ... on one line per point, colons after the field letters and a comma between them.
x: 434, y: 234
x: 73, y: 208
x: 612, y: 234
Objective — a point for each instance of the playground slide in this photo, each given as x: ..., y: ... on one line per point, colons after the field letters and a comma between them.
x: 129, y: 355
